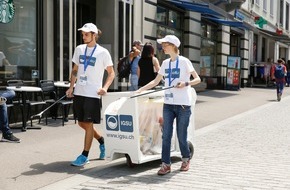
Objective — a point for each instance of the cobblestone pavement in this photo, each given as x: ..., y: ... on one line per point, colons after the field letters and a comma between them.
x: 249, y: 151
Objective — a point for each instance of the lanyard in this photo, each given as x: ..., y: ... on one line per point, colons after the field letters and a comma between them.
x: 86, y: 63
x: 169, y: 77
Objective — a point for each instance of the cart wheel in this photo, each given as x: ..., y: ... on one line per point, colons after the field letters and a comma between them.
x: 191, y: 149
x: 129, y: 161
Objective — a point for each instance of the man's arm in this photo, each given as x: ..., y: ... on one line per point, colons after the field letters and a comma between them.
x: 109, y: 80
x: 73, y: 79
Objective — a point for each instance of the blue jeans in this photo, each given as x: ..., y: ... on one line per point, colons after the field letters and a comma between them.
x: 4, y: 123
x: 288, y: 78
x: 182, y: 116
x: 134, y: 82
x: 280, y: 87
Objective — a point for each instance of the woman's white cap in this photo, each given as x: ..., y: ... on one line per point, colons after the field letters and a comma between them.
x: 171, y: 39
x: 89, y: 27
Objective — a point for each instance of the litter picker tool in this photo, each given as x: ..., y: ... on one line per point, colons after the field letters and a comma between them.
x: 150, y: 92
x: 114, y: 108
x: 39, y: 115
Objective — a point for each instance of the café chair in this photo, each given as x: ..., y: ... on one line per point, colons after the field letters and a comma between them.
x: 51, y: 95
x: 10, y: 109
x: 32, y: 99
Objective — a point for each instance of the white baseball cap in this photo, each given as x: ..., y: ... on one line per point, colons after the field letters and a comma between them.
x: 89, y: 27
x: 171, y: 39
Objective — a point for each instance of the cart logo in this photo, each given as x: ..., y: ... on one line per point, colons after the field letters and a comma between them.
x: 112, y: 123
x: 126, y: 123
x: 122, y: 123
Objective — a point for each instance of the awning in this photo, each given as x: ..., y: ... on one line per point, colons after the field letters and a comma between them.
x: 281, y: 38
x: 209, y: 13
x: 202, y: 8
x: 231, y: 23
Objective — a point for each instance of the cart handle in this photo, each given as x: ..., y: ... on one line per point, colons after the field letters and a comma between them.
x: 157, y: 90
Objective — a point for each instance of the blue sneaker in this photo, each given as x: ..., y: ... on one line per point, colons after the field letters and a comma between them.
x: 80, y: 161
x: 102, y: 151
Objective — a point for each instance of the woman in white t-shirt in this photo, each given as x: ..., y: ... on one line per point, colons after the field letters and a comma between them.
x: 177, y: 71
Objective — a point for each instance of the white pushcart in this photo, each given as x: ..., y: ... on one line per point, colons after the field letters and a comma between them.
x: 133, y: 127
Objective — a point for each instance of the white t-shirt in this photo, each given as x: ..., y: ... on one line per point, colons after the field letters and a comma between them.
x: 2, y: 57
x: 97, y: 63
x: 173, y: 74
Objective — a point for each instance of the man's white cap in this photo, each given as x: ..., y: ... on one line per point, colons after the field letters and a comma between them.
x: 89, y: 27
x: 171, y: 39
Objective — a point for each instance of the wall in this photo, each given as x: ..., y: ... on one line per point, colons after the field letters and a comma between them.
x: 192, y: 39
x: 223, y: 50
x: 107, y: 18
x: 48, y: 55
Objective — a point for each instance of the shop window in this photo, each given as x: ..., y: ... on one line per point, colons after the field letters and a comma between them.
x: 168, y: 17
x: 281, y: 12
x: 161, y: 15
x: 208, y: 31
x: 265, y: 6
x: 174, y: 19
x: 271, y: 8
x: 234, y: 45
x: 169, y: 22
x: 263, y: 49
x: 255, y: 53
x: 208, y: 50
x: 125, y: 29
x: 85, y: 11
x: 287, y: 16
x: 18, y: 42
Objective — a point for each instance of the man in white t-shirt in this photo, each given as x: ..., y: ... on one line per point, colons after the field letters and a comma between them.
x: 90, y: 61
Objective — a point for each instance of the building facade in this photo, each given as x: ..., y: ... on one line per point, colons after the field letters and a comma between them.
x: 269, y: 38
x: 39, y: 36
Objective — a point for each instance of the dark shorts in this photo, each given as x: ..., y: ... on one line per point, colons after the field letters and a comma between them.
x: 87, y: 109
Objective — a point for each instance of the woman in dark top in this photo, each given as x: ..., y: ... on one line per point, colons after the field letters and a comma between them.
x: 148, y: 65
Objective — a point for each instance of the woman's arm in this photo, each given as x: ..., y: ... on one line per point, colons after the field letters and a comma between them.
x: 156, y: 64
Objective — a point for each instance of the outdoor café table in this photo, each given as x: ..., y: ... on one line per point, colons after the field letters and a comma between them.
x: 63, y: 84
x: 24, y: 90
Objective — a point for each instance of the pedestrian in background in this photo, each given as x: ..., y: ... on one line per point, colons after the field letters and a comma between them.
x: 90, y: 61
x: 177, y: 71
x: 138, y: 44
x: 278, y: 73
x: 7, y: 135
x: 148, y: 65
x: 134, y: 58
x: 285, y: 64
x: 267, y: 71
x: 288, y: 73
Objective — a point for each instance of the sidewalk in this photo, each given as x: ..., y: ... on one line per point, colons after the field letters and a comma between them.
x: 247, y: 151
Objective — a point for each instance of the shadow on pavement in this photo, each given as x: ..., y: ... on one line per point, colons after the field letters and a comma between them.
x: 140, y: 173
x: 218, y: 94
x: 56, y: 167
